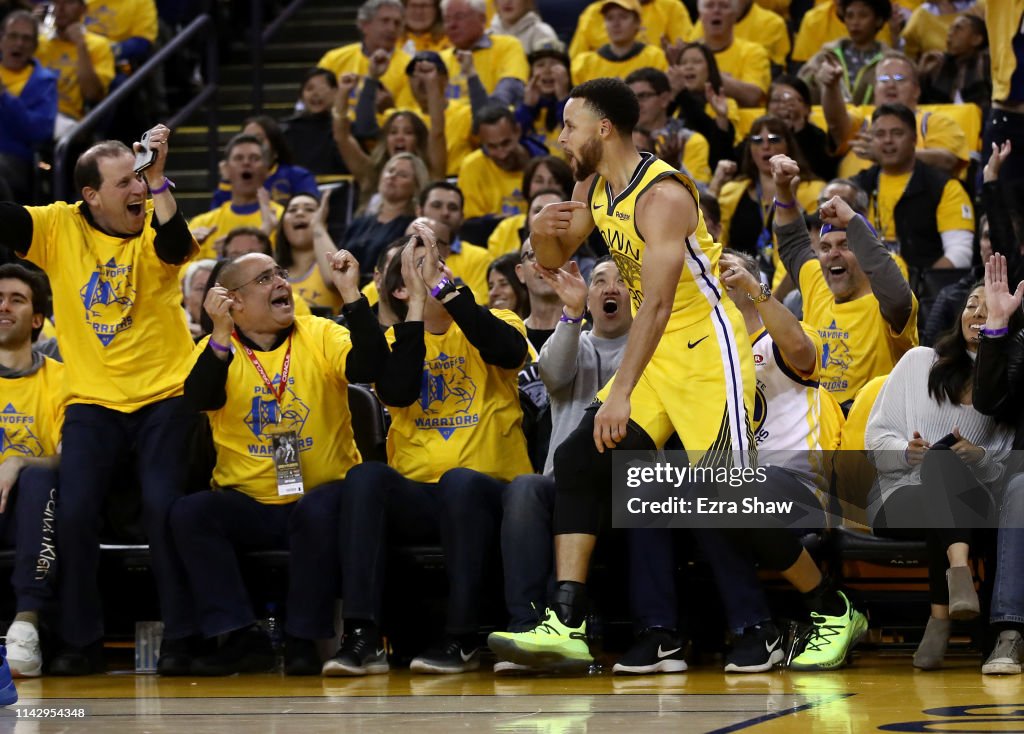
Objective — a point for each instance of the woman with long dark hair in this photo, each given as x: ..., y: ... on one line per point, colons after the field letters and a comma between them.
x: 747, y: 202
x: 700, y: 99
x: 938, y: 459
x: 504, y: 289
x: 302, y: 247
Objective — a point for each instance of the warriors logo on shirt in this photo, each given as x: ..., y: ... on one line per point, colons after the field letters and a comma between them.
x: 108, y: 298
x: 760, y: 412
x: 289, y: 415
x: 446, y: 396
x: 16, y: 436
x: 835, y: 357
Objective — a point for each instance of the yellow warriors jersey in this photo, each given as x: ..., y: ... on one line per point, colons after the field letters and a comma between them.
x: 468, y: 413
x: 699, y: 383
x: 314, y: 405
x: 123, y: 333
x: 32, y: 412
x: 698, y: 291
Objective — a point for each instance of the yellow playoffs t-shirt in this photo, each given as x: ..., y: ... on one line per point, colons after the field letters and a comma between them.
x: 658, y: 18
x: 766, y: 28
x: 122, y: 19
x: 458, y: 132
x: 857, y: 343
x: 351, y: 60
x: 1001, y: 15
x: 311, y: 288
x: 15, y: 81
x: 314, y: 405
x: 820, y: 25
x: 32, y: 412
x: 504, y: 57
x: 469, y: 265
x: 468, y: 414
x: 62, y: 57
x: 594, y: 65
x: 747, y: 62
x: 505, y: 237
x: 227, y: 217
x: 123, y: 333
x: 937, y: 130
x: 489, y: 189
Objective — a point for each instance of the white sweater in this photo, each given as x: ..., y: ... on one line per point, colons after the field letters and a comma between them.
x: 532, y: 32
x: 904, y: 406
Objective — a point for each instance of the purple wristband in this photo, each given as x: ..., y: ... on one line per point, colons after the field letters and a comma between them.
x: 995, y: 332
x: 167, y: 184
x: 784, y: 205
x: 218, y: 347
x: 439, y: 288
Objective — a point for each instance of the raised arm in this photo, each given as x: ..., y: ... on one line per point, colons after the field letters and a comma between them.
x: 830, y: 77
x: 560, y: 228
x: 356, y: 159
x: 791, y: 232
x: 895, y: 299
x: 798, y: 349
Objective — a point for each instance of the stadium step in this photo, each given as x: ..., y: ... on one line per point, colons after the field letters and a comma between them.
x: 315, y: 29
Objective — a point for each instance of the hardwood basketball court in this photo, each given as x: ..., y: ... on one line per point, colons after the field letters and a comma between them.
x: 880, y: 692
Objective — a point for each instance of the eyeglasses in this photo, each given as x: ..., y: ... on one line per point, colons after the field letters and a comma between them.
x: 528, y: 257
x: 762, y: 139
x: 641, y: 96
x: 265, y: 278
x: 884, y: 78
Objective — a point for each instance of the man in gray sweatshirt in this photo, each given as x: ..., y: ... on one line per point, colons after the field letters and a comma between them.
x: 574, y: 364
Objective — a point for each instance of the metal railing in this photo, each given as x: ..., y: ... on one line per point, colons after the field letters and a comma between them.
x: 258, y: 39
x: 202, y: 24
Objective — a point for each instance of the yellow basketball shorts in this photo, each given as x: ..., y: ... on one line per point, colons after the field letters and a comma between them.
x: 699, y: 384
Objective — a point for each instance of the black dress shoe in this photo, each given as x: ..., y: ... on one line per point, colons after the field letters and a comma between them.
x: 244, y: 651
x: 301, y: 657
x: 176, y: 656
x: 74, y: 661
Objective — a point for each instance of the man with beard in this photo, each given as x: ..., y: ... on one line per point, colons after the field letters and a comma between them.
x: 682, y: 369
x: 491, y: 178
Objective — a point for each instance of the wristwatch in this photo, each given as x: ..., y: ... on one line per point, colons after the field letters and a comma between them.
x: 765, y: 294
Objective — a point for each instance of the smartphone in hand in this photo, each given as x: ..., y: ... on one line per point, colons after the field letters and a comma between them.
x: 147, y: 156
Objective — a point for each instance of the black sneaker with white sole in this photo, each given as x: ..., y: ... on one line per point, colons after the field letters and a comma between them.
x: 362, y: 652
x: 657, y: 650
x: 758, y: 649
x: 450, y: 657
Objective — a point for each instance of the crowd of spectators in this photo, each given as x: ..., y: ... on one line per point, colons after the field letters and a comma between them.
x: 843, y: 154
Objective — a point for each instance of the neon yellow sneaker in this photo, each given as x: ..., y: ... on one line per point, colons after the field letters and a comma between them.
x: 831, y: 640
x: 549, y: 646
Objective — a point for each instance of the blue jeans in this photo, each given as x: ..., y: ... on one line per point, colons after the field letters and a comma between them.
x: 527, y: 548
x: 1008, y: 593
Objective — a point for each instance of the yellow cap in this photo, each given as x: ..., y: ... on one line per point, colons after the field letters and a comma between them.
x: 631, y: 5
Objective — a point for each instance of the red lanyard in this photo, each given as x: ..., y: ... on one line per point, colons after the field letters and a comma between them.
x: 278, y: 393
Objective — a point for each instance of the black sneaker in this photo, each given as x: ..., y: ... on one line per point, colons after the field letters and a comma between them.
x: 74, y: 661
x: 301, y: 657
x: 361, y: 653
x: 244, y: 651
x: 450, y: 657
x: 758, y: 649
x: 176, y: 656
x: 657, y: 650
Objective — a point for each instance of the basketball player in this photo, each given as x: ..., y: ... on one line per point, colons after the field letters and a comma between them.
x: 687, y: 367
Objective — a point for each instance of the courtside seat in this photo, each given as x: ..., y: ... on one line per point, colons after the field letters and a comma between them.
x: 853, y: 545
